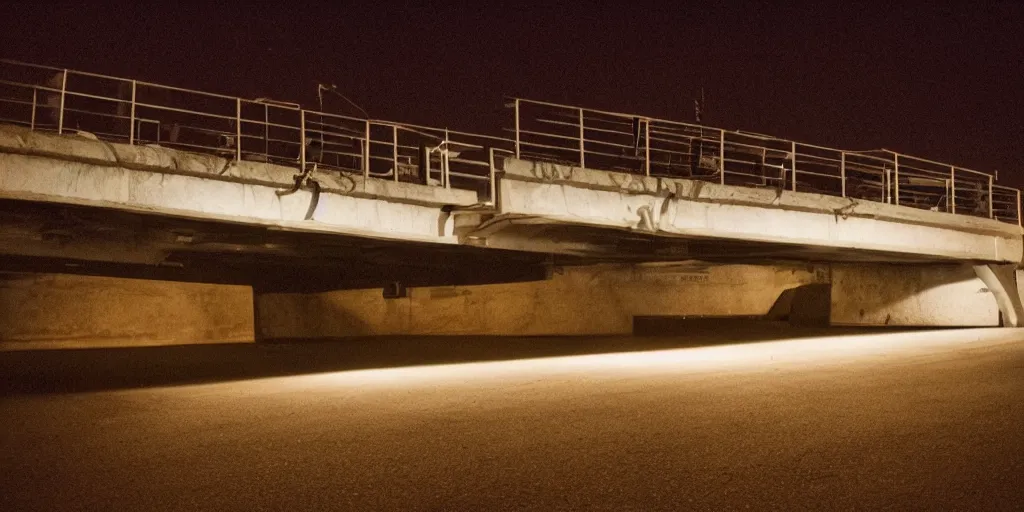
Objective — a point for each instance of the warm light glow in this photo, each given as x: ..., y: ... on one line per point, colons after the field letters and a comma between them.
x: 801, y: 354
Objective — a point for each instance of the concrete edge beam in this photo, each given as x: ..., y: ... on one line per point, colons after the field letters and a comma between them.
x: 72, y: 148
x: 701, y: 191
x: 49, y: 180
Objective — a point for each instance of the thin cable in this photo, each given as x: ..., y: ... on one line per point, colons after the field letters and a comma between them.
x: 334, y: 88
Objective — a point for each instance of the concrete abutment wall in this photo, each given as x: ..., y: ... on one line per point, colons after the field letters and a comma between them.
x: 604, y: 300
x: 43, y: 311
x: 595, y: 300
x: 68, y: 311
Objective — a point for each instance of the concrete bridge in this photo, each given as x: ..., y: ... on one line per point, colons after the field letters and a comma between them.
x: 580, y: 221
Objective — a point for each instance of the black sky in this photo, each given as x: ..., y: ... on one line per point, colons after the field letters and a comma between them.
x: 943, y: 81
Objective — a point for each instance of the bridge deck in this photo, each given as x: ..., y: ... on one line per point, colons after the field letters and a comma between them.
x: 580, y: 186
x: 141, y: 113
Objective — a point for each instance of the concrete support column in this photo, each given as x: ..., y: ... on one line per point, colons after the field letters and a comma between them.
x: 1001, y: 280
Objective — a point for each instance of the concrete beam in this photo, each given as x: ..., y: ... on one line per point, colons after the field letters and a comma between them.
x: 80, y: 171
x: 564, y: 195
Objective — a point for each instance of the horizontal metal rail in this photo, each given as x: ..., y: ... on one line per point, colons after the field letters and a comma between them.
x: 601, y: 139
x: 262, y: 129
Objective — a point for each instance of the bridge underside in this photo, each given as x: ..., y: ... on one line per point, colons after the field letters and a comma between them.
x: 71, y: 239
x: 596, y: 244
x: 554, y: 208
x: 48, y: 237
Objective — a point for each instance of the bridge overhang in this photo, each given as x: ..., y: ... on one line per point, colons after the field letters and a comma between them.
x: 607, y: 213
x: 75, y: 170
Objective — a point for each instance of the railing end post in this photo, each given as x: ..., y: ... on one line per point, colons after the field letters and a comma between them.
x: 492, y: 183
x: 63, y: 95
x: 238, y: 129
x: 516, y: 108
x: 302, y: 141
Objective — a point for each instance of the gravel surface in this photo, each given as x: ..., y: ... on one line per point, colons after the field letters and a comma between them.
x: 918, y: 420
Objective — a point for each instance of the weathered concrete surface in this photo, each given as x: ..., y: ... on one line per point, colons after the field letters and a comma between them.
x: 911, y: 295
x: 603, y: 300
x: 811, y: 305
x: 538, y: 192
x: 575, y: 301
x: 68, y: 311
x: 76, y: 170
x: 1001, y: 281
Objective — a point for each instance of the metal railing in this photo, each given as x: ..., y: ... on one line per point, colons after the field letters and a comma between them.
x: 656, y: 147
x: 263, y: 130
x: 136, y: 112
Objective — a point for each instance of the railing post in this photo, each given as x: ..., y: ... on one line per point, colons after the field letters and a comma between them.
x: 517, y: 126
x: 266, y: 131
x: 131, y: 124
x: 991, y: 212
x: 896, y: 177
x: 887, y: 184
x: 764, y: 157
x: 32, y: 122
x: 366, y: 151
x: 493, y: 185
x: 446, y: 176
x: 842, y: 171
x: 647, y: 147
x: 63, y: 93
x: 394, y: 150
x: 721, y: 157
x: 302, y: 141
x: 583, y: 162
x: 238, y: 130
x: 952, y: 189
x: 426, y: 166
x: 1018, y: 208
x: 793, y: 149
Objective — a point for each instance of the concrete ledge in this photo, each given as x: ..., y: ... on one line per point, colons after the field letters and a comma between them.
x: 38, y: 178
x: 701, y: 191
x: 543, y: 193
x: 72, y: 148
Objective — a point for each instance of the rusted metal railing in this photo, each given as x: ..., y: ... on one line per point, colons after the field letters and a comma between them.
x: 657, y: 147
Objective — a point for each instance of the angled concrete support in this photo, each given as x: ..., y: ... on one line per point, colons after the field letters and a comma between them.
x: 1001, y: 280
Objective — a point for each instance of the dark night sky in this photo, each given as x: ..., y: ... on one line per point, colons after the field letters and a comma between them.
x: 942, y: 82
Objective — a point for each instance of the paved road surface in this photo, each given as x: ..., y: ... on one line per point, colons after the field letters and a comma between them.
x: 901, y: 421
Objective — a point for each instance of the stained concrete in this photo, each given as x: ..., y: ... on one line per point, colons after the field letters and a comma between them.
x: 596, y: 300
x: 66, y: 311
x: 911, y: 295
x: 1001, y: 281
x: 76, y: 170
x: 69, y: 311
x: 539, y: 192
x: 605, y: 299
